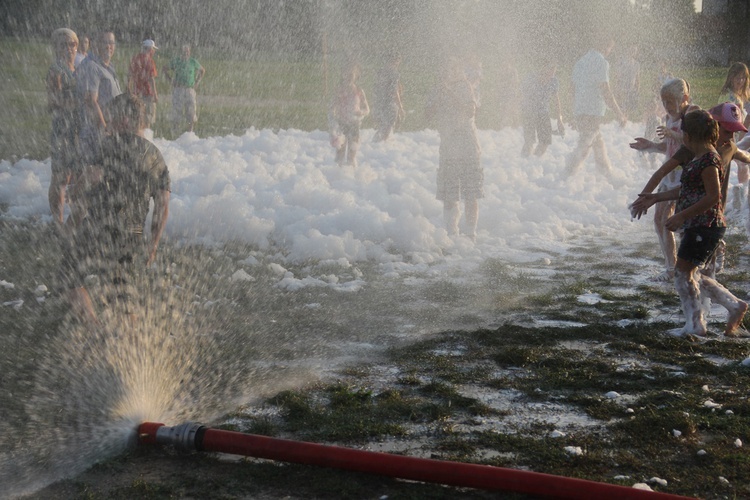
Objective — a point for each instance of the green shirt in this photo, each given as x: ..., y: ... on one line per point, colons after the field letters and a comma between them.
x: 184, y: 71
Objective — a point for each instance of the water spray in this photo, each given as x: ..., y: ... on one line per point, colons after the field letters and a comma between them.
x: 196, y: 437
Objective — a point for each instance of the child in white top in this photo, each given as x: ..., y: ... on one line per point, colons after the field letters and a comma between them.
x: 675, y: 97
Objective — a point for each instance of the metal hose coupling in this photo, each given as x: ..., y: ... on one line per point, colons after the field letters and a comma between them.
x: 184, y: 437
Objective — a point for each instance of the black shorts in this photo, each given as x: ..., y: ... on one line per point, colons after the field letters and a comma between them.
x: 102, y: 251
x: 698, y: 244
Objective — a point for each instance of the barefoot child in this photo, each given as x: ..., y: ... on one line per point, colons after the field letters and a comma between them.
x: 730, y: 121
x: 348, y: 109
x: 699, y: 215
x: 675, y: 97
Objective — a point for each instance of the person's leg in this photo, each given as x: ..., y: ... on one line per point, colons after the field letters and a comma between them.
x: 352, y: 141
x: 472, y: 217
x: 662, y: 212
x: 451, y: 215
x: 150, y: 110
x: 529, y: 137
x: 341, y: 154
x: 544, y: 131
x: 586, y: 131
x: 176, y: 110
x: 351, y: 153
x: 56, y: 195
x: 689, y: 293
x: 600, y: 153
x: 192, y: 109
x: 735, y: 307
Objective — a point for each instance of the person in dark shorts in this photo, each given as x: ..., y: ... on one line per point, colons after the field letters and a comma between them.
x: 117, y: 191
x: 699, y: 215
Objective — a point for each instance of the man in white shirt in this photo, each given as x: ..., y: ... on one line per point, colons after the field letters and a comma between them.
x: 592, y: 97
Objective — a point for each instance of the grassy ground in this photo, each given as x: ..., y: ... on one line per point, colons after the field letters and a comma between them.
x: 272, y: 94
x: 469, y: 396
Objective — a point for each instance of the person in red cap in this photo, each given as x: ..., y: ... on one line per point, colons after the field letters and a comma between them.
x: 142, y: 79
x: 729, y: 120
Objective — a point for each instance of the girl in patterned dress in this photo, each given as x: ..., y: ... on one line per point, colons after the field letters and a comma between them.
x: 699, y: 216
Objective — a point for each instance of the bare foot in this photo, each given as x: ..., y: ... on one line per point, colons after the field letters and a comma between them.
x: 734, y: 319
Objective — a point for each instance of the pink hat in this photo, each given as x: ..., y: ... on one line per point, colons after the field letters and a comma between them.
x: 729, y: 116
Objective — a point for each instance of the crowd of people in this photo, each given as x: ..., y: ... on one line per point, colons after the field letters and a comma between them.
x: 98, y: 148
x: 103, y: 166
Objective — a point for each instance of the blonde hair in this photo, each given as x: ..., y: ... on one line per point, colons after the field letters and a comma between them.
x: 676, y: 88
x: 61, y: 35
x: 734, y: 70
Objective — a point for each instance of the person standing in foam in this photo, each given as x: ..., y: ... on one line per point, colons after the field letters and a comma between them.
x: 675, y: 97
x: 592, y: 96
x: 452, y: 108
x: 699, y: 215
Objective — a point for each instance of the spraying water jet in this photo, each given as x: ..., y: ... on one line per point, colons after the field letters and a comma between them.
x: 195, y: 437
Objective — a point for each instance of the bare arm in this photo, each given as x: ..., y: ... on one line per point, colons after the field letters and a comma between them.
x: 158, y: 222
x: 647, y: 146
x: 91, y: 104
x: 665, y: 169
x: 54, y: 85
x: 199, y: 76
x: 710, y: 176
x: 646, y: 200
x: 167, y: 72
x: 611, y: 102
x: 742, y: 155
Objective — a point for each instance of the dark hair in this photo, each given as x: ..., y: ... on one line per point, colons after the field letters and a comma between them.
x: 127, y: 108
x: 700, y: 126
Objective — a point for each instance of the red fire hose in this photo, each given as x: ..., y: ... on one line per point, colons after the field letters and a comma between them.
x: 196, y: 437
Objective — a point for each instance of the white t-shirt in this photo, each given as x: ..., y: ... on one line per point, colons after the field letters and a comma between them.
x: 589, y: 73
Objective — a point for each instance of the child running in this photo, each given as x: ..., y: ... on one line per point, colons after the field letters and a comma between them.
x: 348, y: 109
x: 699, y: 216
x: 675, y: 97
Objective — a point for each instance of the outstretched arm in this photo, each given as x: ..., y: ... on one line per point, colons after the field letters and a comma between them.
x: 645, y: 200
x: 647, y: 146
x: 665, y: 169
x: 611, y: 102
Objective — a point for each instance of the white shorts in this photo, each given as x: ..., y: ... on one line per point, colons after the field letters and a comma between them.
x: 184, y: 105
